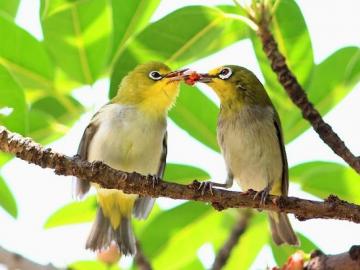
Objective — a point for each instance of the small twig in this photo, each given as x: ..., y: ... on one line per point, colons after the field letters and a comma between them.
x: 140, y: 259
x: 134, y: 183
x: 295, y: 90
x: 225, y: 252
x: 344, y: 261
x: 15, y: 261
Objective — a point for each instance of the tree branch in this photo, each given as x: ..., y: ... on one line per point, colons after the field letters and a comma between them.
x: 319, y: 261
x: 100, y: 173
x: 15, y: 261
x: 140, y: 259
x: 224, y: 253
x: 345, y: 261
x: 296, y: 92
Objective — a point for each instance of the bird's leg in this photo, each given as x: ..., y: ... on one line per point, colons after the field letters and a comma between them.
x: 208, y: 185
x: 155, y: 180
x: 263, y: 194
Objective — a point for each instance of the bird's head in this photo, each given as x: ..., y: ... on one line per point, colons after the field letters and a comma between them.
x: 236, y: 86
x: 152, y: 87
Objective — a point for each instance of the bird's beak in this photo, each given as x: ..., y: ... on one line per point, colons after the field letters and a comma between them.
x: 205, y: 78
x: 192, y: 77
x: 176, y: 75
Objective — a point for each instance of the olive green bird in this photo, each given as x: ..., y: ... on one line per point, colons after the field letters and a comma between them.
x: 129, y: 134
x: 251, y: 141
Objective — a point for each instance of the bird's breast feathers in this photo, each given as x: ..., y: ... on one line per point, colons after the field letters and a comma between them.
x: 250, y: 146
x: 127, y: 139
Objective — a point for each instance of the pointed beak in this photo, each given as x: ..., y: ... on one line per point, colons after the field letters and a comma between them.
x: 176, y: 75
x: 206, y: 78
x: 192, y: 77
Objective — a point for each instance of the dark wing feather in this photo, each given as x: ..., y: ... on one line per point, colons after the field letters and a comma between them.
x: 144, y: 204
x: 285, y: 171
x: 162, y: 166
x: 83, y: 186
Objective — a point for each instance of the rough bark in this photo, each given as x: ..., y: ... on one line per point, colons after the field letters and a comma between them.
x: 140, y: 259
x: 98, y: 172
x: 344, y: 261
x: 224, y: 253
x: 15, y: 261
x: 297, y: 93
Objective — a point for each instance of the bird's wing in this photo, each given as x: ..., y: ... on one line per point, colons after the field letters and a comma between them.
x: 144, y: 204
x: 285, y: 170
x: 81, y: 187
x: 162, y: 165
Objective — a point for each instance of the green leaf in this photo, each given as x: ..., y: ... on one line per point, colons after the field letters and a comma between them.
x: 250, y: 244
x: 9, y: 7
x: 7, y: 199
x: 4, y: 157
x: 78, y: 35
x: 330, y: 85
x: 202, y: 31
x: 282, y: 253
x: 195, y: 264
x: 13, y: 110
x: 197, y: 114
x: 324, y: 178
x: 64, y: 83
x: 88, y: 265
x: 84, y: 211
x: 129, y: 17
x: 33, y: 70
x: 73, y: 213
x: 154, y: 241
x: 184, y: 174
x: 212, y: 228
x: 290, y: 31
x: 63, y: 108
x: 44, y: 128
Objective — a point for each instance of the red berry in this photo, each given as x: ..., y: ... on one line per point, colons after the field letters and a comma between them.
x: 192, y: 78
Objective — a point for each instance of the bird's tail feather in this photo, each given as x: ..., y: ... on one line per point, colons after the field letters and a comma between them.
x: 281, y: 230
x: 125, y: 237
x: 143, y: 206
x: 80, y: 188
x: 102, y: 234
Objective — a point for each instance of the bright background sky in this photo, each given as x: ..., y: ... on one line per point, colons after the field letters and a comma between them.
x: 332, y: 25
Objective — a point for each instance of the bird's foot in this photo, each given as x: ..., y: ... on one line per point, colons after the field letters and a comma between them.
x: 263, y: 194
x: 155, y: 180
x: 207, y: 185
x: 204, y: 186
x: 250, y: 192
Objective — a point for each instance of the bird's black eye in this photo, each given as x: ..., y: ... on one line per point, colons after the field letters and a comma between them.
x: 225, y: 73
x: 155, y: 75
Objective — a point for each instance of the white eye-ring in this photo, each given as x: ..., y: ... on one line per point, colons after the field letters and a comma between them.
x: 155, y: 75
x: 225, y: 73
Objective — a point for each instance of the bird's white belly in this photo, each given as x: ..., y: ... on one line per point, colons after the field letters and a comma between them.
x: 252, y: 153
x: 128, y: 142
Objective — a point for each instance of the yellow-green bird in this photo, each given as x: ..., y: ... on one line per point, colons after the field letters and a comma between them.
x: 128, y: 134
x: 251, y: 141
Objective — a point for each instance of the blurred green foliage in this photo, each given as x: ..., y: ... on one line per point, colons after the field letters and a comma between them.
x: 196, y: 114
x: 251, y: 243
x: 92, y: 39
x: 324, y: 178
x: 293, y: 38
x: 72, y: 36
x: 9, y: 8
x: 91, y: 265
x: 282, y: 253
x: 7, y: 200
